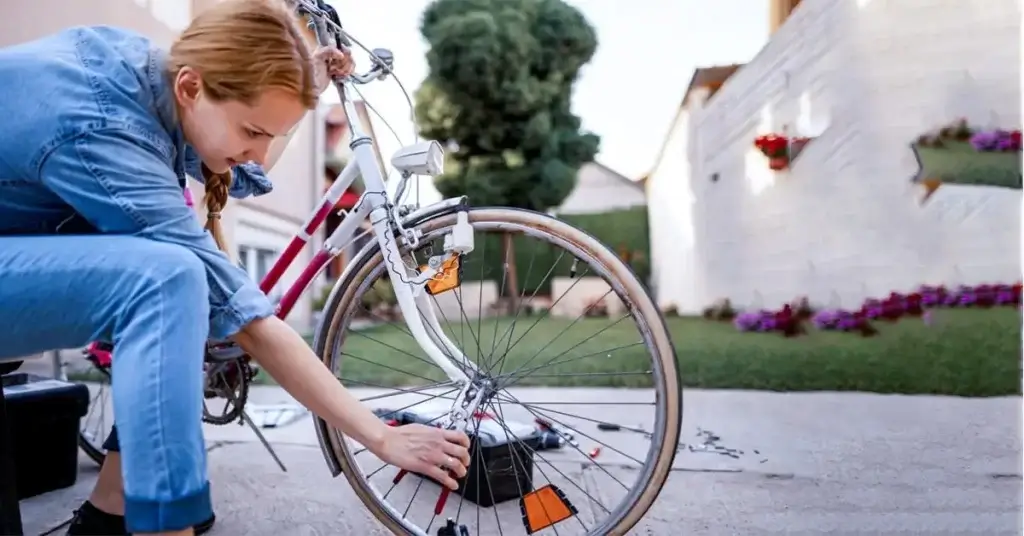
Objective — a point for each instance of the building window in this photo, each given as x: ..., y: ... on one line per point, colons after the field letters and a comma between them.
x: 256, y: 262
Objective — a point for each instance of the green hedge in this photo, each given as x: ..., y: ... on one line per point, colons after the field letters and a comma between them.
x: 624, y: 231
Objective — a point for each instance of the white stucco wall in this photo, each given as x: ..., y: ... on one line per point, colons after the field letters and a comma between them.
x: 866, y: 77
x: 675, y: 279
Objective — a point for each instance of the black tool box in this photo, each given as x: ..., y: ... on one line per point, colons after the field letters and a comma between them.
x: 500, y: 470
x: 43, y: 416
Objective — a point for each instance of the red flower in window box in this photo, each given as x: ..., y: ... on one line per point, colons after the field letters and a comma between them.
x: 773, y: 146
x: 778, y: 163
x: 780, y: 150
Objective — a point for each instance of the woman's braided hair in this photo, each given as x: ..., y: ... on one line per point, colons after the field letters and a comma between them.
x: 216, y: 198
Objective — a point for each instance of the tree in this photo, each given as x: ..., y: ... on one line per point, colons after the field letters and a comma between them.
x: 499, y: 96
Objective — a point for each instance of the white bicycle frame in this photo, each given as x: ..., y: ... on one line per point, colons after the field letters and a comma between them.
x: 413, y: 301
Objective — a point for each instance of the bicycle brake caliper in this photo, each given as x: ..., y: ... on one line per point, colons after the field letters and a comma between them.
x: 458, y: 419
x: 465, y: 405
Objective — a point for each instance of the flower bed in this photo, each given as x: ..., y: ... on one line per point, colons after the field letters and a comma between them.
x: 961, y: 154
x: 790, y: 321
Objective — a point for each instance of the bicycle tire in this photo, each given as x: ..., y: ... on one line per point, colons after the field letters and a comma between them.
x: 90, y: 450
x: 337, y: 313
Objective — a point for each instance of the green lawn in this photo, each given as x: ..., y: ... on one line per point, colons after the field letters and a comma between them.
x: 963, y: 352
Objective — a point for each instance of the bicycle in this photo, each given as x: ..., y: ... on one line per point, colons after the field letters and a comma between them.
x: 475, y: 393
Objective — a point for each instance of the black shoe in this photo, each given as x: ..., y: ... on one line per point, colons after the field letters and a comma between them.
x: 91, y: 521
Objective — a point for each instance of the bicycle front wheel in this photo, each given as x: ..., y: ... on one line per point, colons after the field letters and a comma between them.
x: 536, y: 299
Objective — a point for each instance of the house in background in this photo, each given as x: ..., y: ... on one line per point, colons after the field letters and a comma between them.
x: 160, y: 20
x: 863, y: 79
x: 257, y: 230
x: 601, y: 189
x: 672, y: 229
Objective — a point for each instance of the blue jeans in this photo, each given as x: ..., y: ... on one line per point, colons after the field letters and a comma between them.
x: 151, y: 299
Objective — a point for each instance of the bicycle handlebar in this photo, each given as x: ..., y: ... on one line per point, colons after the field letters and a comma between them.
x: 327, y: 26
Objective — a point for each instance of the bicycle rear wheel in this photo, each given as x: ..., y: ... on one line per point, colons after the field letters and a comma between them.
x: 95, y: 372
x: 558, y: 474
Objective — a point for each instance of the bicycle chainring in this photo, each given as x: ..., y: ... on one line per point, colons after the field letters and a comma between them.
x: 228, y: 380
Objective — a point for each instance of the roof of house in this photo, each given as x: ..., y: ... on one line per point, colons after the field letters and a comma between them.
x: 712, y: 77
x: 617, y: 175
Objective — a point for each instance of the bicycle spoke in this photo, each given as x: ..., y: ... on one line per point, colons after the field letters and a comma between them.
x: 584, y: 356
x: 559, y: 471
x: 534, y: 410
x: 515, y: 455
x: 540, y: 317
x: 414, y: 390
x: 511, y: 329
x: 389, y: 367
x: 565, y: 329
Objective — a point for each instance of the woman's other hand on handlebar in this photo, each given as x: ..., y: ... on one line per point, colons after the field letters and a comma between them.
x: 425, y: 449
x: 330, y: 63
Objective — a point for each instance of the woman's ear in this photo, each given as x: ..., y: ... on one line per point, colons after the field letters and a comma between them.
x: 188, y: 85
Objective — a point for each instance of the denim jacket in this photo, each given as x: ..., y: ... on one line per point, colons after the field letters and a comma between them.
x: 89, y: 131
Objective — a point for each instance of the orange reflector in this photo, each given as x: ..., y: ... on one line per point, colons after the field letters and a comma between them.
x: 544, y: 507
x: 447, y: 277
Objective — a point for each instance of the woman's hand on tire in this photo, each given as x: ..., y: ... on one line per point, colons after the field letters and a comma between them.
x: 428, y: 451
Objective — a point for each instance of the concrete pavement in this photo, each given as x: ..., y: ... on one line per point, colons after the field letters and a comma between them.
x: 826, y: 463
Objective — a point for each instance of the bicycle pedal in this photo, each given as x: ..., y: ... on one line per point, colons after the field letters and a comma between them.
x: 451, y: 529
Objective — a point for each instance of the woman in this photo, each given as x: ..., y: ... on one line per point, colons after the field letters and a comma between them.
x: 100, y: 130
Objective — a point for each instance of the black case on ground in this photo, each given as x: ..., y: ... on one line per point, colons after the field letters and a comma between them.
x: 491, y: 477
x: 44, y: 416
x: 501, y: 471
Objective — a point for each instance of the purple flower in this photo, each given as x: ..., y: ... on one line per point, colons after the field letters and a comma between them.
x: 994, y: 140
x: 985, y: 140
x: 825, y: 319
x: 846, y: 322
x: 1004, y: 296
x: 929, y: 298
x: 747, y: 321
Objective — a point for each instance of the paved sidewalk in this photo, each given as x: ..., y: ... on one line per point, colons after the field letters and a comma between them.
x: 828, y: 463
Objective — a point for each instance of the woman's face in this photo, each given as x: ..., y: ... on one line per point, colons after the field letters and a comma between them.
x: 229, y: 133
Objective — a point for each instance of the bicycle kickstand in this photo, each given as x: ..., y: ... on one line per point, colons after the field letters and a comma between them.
x: 451, y: 529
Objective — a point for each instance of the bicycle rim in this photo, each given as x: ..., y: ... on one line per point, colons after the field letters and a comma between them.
x: 340, y: 312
